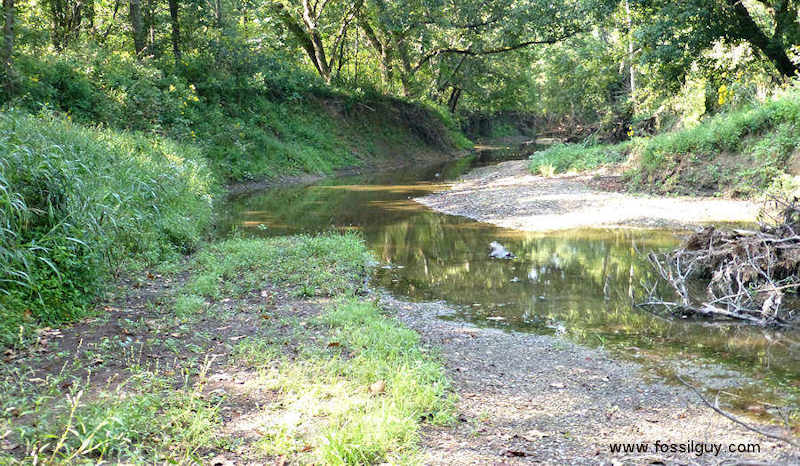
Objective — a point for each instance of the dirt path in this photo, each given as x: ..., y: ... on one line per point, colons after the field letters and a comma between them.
x: 527, y: 398
x: 508, y: 195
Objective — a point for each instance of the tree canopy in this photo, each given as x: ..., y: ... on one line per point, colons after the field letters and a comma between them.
x: 563, y: 60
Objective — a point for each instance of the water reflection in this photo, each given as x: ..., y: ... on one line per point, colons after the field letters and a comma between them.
x: 581, y: 283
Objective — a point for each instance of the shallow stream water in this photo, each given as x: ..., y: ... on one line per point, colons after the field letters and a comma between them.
x: 580, y: 284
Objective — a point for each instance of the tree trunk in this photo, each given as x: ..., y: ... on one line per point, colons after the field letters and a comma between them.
x: 383, y: 52
x: 407, y: 71
x: 57, y: 12
x: 452, y: 102
x: 149, y: 27
x: 218, y: 13
x: 299, y: 33
x: 315, y: 38
x: 8, y: 42
x: 176, y: 31
x: 773, y: 48
x: 137, y: 26
x: 631, y: 63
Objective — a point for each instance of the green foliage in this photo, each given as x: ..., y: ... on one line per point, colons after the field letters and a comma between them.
x: 76, y: 203
x: 741, y: 152
x: 188, y: 305
x: 144, y: 420
x: 747, y: 149
x: 257, y: 118
x: 415, y: 387
x: 561, y: 158
x: 323, y: 265
x: 324, y: 399
x: 359, y: 425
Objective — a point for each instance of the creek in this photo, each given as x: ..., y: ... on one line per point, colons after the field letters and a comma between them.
x: 581, y: 285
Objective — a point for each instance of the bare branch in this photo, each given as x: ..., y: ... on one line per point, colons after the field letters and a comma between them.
x: 735, y: 419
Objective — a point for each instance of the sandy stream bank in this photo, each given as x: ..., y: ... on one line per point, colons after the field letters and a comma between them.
x: 508, y: 195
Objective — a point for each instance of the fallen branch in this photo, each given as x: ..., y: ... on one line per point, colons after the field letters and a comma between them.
x: 751, y: 276
x: 735, y: 419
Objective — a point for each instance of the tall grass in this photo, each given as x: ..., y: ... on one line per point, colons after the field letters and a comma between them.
x: 323, y: 265
x: 75, y: 203
x: 561, y: 158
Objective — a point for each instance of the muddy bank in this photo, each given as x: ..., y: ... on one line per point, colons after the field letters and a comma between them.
x: 508, y: 195
x: 527, y: 398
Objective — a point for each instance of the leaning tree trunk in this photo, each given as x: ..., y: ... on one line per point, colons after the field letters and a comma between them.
x: 452, y: 102
x: 138, y: 27
x: 773, y: 49
x: 176, y: 31
x: 315, y: 39
x: 8, y: 42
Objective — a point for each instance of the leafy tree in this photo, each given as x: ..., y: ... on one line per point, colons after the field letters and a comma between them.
x: 675, y: 33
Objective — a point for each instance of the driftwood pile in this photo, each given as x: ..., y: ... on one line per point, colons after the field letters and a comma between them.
x: 749, y: 275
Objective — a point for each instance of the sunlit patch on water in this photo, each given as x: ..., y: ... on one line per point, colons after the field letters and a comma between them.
x: 582, y: 284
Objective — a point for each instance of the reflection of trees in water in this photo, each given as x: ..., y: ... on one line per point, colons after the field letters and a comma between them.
x: 337, y: 202
x: 587, y: 281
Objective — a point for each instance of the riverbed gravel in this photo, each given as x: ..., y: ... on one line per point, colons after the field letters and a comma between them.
x: 526, y: 398
x: 509, y: 195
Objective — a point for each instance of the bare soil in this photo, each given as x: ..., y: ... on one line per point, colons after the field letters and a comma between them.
x: 508, y: 195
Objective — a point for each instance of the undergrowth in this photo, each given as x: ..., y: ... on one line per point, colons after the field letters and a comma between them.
x: 345, y: 385
x: 78, y: 203
x: 739, y: 153
x: 356, y: 397
x: 145, y: 420
x: 370, y: 392
x: 326, y: 265
x: 562, y: 158
x: 260, y: 119
x: 109, y: 159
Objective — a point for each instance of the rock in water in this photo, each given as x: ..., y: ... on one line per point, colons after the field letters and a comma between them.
x: 498, y: 251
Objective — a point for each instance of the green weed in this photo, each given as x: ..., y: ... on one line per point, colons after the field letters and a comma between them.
x: 143, y: 420
x: 188, y: 305
x: 561, y: 158
x: 323, y: 265
x: 76, y: 203
x: 360, y: 403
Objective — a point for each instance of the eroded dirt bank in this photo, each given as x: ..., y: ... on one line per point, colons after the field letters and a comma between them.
x: 537, y: 399
x: 508, y: 195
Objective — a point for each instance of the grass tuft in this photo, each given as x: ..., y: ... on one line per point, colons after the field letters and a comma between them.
x: 361, y: 424
x: 323, y: 265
